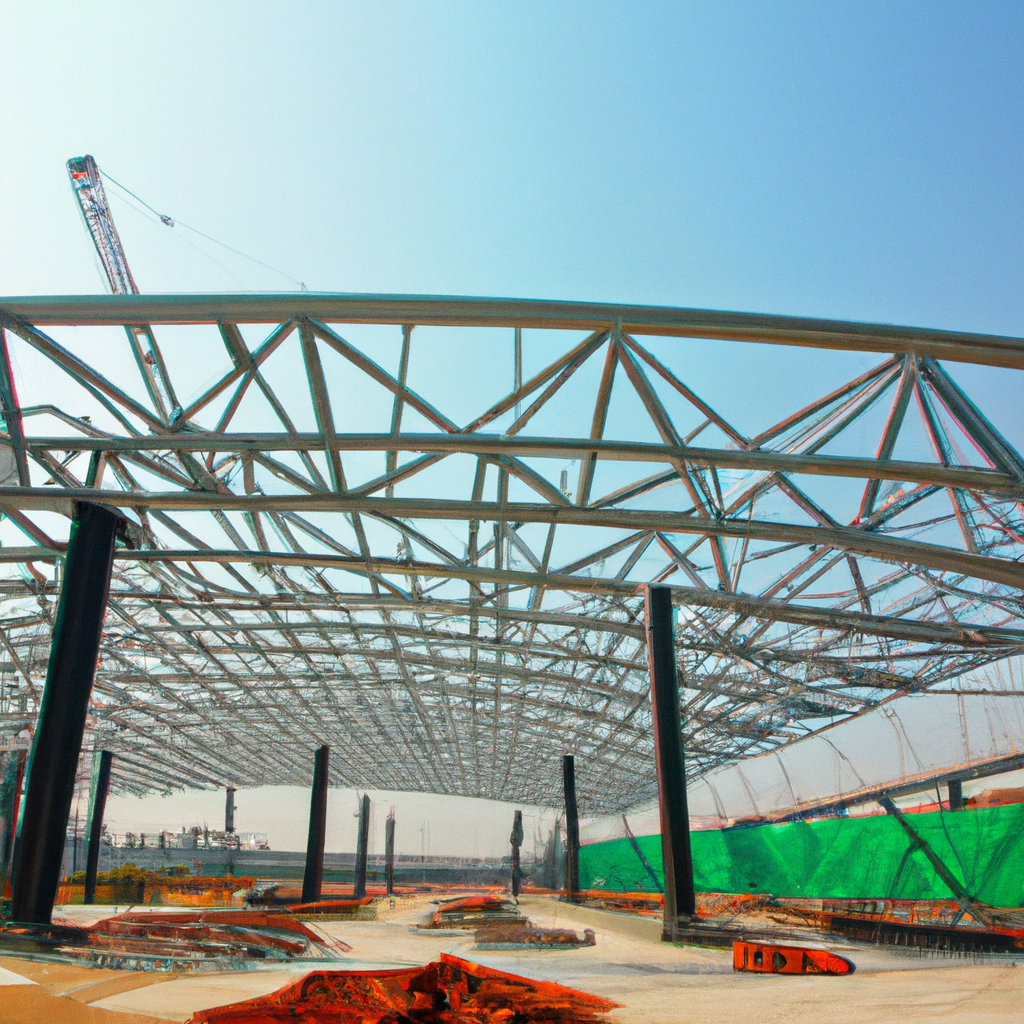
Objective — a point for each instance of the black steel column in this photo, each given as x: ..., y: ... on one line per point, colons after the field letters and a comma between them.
x: 956, y: 795
x: 668, y: 750
x: 362, y: 843
x: 313, y: 879
x: 572, y: 829
x: 516, y: 839
x: 229, y: 809
x: 74, y: 651
x: 389, y: 853
x: 99, y: 805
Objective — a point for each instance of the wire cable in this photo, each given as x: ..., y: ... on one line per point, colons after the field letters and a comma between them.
x: 171, y: 222
x: 180, y: 238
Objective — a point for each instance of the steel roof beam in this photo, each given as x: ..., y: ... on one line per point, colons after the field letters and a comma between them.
x: 882, y: 546
x: 427, y: 310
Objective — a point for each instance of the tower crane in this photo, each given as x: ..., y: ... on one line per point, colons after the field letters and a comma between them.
x: 87, y: 184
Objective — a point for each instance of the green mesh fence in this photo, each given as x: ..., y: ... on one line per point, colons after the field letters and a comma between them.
x: 836, y: 858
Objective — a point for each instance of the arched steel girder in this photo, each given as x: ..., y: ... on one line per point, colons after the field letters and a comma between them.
x: 997, y: 570
x: 431, y: 310
x: 885, y: 548
x: 989, y: 481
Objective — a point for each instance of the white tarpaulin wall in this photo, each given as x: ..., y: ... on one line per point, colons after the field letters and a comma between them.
x: 918, y: 736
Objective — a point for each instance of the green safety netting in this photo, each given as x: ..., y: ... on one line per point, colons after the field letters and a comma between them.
x: 836, y: 858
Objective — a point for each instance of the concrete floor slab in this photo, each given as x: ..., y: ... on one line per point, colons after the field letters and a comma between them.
x: 177, y: 1000
x: 10, y: 978
x: 657, y: 983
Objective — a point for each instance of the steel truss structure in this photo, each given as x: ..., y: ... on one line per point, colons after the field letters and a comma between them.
x: 342, y: 534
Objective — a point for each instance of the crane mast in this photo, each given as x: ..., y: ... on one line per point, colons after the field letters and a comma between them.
x: 92, y: 201
x: 99, y: 222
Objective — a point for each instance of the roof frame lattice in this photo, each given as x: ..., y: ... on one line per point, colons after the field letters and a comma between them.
x: 452, y: 600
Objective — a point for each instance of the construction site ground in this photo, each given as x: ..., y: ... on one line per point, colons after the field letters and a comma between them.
x: 656, y: 982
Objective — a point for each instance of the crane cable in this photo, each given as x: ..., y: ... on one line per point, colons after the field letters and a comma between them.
x: 171, y: 222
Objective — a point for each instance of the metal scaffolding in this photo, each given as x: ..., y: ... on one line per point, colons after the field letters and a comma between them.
x: 323, y: 554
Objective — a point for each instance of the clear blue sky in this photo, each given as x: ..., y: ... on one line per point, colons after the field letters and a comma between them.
x: 856, y: 160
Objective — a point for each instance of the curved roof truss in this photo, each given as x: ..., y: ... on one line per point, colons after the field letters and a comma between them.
x: 417, y: 553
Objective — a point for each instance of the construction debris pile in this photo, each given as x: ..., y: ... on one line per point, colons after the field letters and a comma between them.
x: 129, y: 884
x: 498, y: 924
x: 474, y: 911
x: 209, y: 940
x: 448, y: 991
x: 933, y: 924
x: 523, y: 934
x: 339, y: 899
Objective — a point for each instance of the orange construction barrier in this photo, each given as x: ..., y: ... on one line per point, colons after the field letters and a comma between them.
x: 755, y: 956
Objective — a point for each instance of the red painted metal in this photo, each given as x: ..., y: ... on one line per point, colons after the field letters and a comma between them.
x: 448, y: 991
x: 329, y: 906
x: 761, y: 958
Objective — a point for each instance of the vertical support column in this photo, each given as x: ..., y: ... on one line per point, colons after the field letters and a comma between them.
x: 389, y: 853
x: 229, y: 809
x: 362, y: 843
x: 668, y: 750
x: 99, y: 805
x: 313, y: 879
x: 11, y: 780
x: 74, y: 652
x: 572, y: 829
x: 516, y: 839
x: 956, y: 795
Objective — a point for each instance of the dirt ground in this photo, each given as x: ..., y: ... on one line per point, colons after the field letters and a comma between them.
x: 656, y: 983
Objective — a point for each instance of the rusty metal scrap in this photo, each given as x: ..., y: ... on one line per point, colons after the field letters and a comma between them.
x: 448, y: 991
x: 523, y: 934
x: 473, y: 911
x: 186, y: 940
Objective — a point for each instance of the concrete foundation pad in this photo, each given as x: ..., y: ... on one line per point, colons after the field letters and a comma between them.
x: 177, y: 1000
x: 10, y: 978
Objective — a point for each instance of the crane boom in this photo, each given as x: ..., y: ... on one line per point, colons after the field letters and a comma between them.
x: 92, y: 201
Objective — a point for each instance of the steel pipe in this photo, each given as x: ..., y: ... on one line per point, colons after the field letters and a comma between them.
x: 755, y: 460
x: 440, y: 310
x: 847, y: 538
